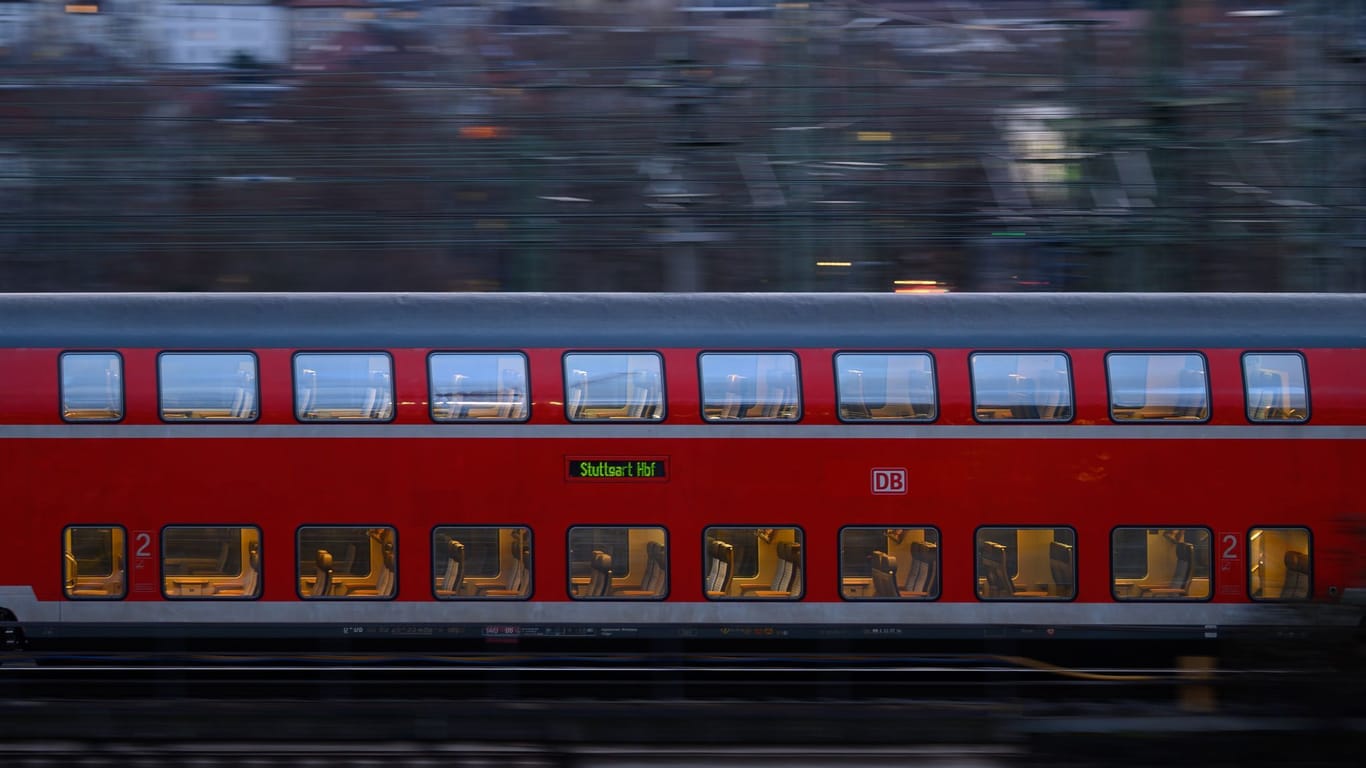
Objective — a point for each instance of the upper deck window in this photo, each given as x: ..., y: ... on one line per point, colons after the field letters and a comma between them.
x: 1276, y: 389
x: 616, y: 386
x: 92, y: 386
x: 750, y: 386
x: 478, y: 386
x: 1166, y: 386
x: 1021, y: 387
x: 885, y: 386
x: 202, y: 386
x: 343, y: 386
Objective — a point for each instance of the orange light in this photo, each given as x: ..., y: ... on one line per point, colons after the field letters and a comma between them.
x: 481, y: 132
x: 82, y: 8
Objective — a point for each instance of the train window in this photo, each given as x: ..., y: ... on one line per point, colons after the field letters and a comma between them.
x: 1160, y: 563
x: 753, y: 563
x: 618, y: 562
x: 1021, y: 387
x: 1026, y: 563
x: 343, y: 386
x: 885, y: 386
x: 214, y: 386
x: 880, y: 563
x: 347, y: 562
x: 1276, y: 389
x: 92, y: 386
x: 478, y: 386
x: 93, y: 558
x: 616, y: 386
x: 481, y: 561
x: 1279, y: 565
x: 750, y: 386
x: 204, y: 562
x: 1167, y: 386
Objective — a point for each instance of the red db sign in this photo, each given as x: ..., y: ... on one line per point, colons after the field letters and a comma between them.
x: 889, y: 481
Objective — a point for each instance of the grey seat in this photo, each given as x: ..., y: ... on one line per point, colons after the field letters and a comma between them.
x: 922, y: 578
x: 601, y: 580
x: 1296, y: 576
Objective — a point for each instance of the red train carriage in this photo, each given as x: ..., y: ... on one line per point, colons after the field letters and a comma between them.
x: 848, y: 466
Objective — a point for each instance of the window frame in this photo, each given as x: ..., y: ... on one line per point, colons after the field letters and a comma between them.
x: 61, y: 387
x: 1139, y: 600
x: 1015, y: 597
x: 114, y: 554
x: 627, y: 527
x: 431, y: 387
x: 938, y: 541
x: 798, y: 404
x: 1309, y: 543
x: 1071, y: 386
x: 799, y: 538
x: 1247, y: 387
x: 294, y: 385
x: 529, y: 541
x: 662, y: 400
x: 260, y: 575
x: 161, y: 385
x: 1110, y: 389
x: 934, y: 387
x: 367, y: 527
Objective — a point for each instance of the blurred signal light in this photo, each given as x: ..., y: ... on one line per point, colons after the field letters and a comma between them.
x: 919, y: 286
x: 481, y: 132
x: 82, y: 8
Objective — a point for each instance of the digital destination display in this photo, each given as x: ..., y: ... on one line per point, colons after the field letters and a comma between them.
x: 618, y: 469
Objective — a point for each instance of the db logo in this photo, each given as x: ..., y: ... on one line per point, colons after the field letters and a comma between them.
x: 889, y: 481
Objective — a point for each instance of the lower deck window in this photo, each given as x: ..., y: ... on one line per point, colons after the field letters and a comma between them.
x: 889, y: 563
x: 1026, y: 563
x: 205, y: 562
x: 748, y: 563
x: 93, y: 562
x: 1160, y: 563
x: 618, y: 562
x: 481, y: 562
x: 1279, y: 567
x: 347, y: 562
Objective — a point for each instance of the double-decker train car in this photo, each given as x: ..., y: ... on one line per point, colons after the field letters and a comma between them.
x: 594, y: 467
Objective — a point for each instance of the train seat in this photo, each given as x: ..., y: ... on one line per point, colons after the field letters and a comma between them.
x: 922, y: 576
x: 520, y: 576
x: 721, y: 568
x: 455, y: 570
x: 1060, y: 564
x: 884, y: 574
x: 384, y: 581
x: 601, y: 582
x: 251, y: 576
x: 652, y: 583
x: 1180, y: 583
x: 992, y: 562
x: 787, y: 576
x: 1296, y: 576
x: 322, y: 582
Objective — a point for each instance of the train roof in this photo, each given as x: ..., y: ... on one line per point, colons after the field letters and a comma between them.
x: 707, y: 320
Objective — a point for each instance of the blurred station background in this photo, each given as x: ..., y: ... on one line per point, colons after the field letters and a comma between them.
x: 683, y: 145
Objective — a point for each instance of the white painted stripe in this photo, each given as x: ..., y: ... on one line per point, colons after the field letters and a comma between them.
x: 1172, y: 431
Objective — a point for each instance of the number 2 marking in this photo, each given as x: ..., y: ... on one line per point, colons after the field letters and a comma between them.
x: 144, y: 540
x: 1231, y: 544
